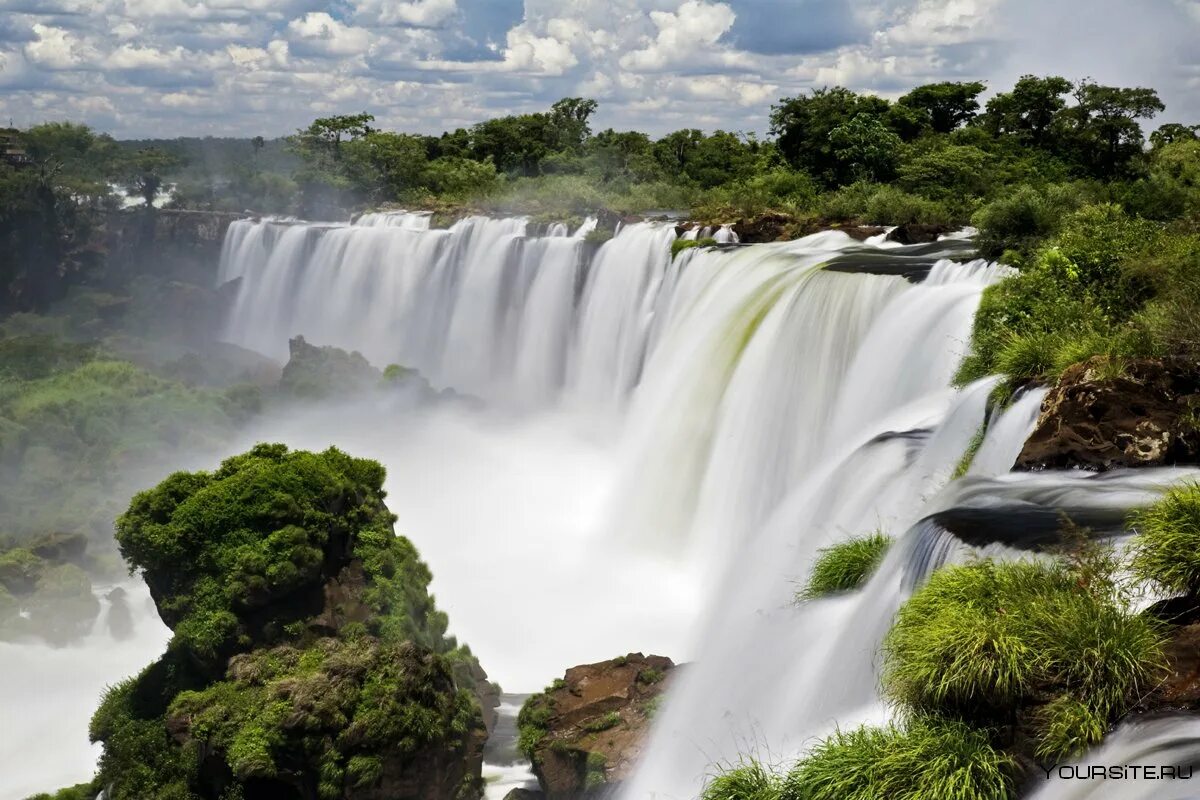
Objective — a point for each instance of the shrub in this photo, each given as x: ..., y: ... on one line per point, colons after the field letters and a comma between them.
x: 1022, y: 219
x: 1066, y: 726
x: 845, y: 566
x: 679, y: 245
x: 610, y: 720
x: 1166, y: 549
x: 982, y: 639
x: 926, y: 759
x: 748, y: 780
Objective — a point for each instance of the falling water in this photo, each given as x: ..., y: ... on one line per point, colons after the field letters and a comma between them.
x: 691, y: 431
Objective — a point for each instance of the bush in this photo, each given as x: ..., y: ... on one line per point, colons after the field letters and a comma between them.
x: 1166, y: 549
x: 845, y: 566
x: 926, y: 759
x: 1022, y: 219
x: 876, y: 204
x: 1076, y: 298
x: 748, y: 780
x: 983, y: 639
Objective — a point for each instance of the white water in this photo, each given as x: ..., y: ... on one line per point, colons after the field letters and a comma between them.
x: 664, y: 446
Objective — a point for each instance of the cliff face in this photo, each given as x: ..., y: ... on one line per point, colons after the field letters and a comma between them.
x: 183, y: 244
x: 308, y: 660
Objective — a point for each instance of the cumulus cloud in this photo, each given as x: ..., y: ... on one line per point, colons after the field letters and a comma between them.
x: 170, y: 67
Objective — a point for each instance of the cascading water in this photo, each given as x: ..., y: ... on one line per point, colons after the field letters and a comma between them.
x: 695, y: 427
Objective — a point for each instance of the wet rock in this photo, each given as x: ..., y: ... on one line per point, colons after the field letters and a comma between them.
x: 584, y: 734
x: 524, y: 794
x: 768, y: 227
x: 1141, y: 418
x: 917, y: 233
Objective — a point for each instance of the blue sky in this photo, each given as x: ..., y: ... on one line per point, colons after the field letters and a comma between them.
x: 249, y: 67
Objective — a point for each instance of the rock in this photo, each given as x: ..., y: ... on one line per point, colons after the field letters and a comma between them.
x: 524, y: 794
x: 322, y: 663
x: 917, y: 233
x: 767, y: 227
x: 585, y: 732
x: 316, y: 373
x: 1142, y: 418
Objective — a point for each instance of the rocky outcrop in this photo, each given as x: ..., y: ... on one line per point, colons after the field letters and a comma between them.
x: 917, y: 233
x: 308, y: 659
x: 584, y: 734
x: 1142, y: 417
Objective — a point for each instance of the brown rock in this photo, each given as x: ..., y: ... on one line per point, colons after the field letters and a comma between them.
x: 594, y: 723
x: 1142, y: 418
x: 917, y: 233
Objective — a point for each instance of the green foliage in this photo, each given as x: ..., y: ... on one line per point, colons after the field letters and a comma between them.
x: 82, y: 791
x: 1022, y: 219
x: 747, y: 780
x: 1079, y: 296
x: 650, y: 676
x: 845, y: 566
x: 926, y: 759
x: 1066, y: 727
x: 679, y: 245
x: 1166, y: 549
x: 533, y: 720
x: 982, y: 639
x: 946, y: 105
x: 609, y: 720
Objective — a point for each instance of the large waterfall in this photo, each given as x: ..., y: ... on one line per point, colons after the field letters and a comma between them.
x: 763, y: 401
x: 661, y: 446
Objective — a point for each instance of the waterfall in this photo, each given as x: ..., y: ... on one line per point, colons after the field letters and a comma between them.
x: 691, y: 430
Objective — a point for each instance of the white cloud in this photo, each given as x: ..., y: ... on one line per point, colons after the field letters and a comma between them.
x: 685, y: 36
x: 55, y: 49
x: 133, y: 57
x: 418, y: 13
x: 322, y: 33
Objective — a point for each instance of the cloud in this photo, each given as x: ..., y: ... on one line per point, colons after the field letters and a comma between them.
x: 319, y: 33
x: 169, y: 67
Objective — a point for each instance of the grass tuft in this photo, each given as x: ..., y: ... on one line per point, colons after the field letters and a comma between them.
x: 1166, y: 549
x: 845, y: 566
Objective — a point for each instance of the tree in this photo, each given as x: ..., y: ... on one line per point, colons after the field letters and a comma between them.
x: 569, y: 122
x: 1029, y: 110
x: 803, y: 125
x: 257, y: 143
x: 948, y: 105
x: 146, y: 169
x: 385, y: 166
x: 326, y: 134
x: 1172, y: 132
x: 1102, y: 131
x: 865, y: 148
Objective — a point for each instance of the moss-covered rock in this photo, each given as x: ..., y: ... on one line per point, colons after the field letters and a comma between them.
x: 308, y: 658
x: 584, y: 733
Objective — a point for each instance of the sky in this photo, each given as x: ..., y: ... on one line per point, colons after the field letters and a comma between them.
x: 166, y: 68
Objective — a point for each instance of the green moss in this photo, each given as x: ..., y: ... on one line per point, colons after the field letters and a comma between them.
x: 650, y: 676
x: 1166, y: 549
x: 926, y: 759
x: 20, y: 571
x: 532, y: 722
x: 748, y: 780
x: 983, y: 639
x: 604, y: 723
x: 599, y: 235
x: 846, y: 565
x: 596, y: 774
x: 236, y: 557
x: 679, y: 245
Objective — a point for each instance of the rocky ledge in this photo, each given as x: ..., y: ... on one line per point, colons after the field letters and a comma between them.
x: 1095, y: 420
x: 585, y: 732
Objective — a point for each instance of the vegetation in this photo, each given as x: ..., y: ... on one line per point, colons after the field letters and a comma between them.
x: 926, y: 758
x: 1166, y: 549
x: 271, y: 672
x: 748, y: 780
x: 44, y: 589
x: 845, y: 566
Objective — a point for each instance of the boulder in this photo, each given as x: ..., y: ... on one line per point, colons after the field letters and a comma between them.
x: 917, y: 233
x: 584, y: 734
x: 1141, y: 418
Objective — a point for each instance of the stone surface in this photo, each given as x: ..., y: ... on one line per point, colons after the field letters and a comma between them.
x: 915, y: 233
x: 594, y: 723
x: 1143, y: 418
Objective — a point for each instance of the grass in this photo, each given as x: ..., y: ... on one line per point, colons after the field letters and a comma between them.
x: 1066, y: 727
x: 845, y: 566
x: 983, y: 639
x: 747, y: 780
x: 610, y: 720
x: 679, y: 245
x: 1166, y: 549
x: 927, y: 758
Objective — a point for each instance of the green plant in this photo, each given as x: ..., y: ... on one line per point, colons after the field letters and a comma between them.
x: 845, y: 566
x: 927, y: 758
x: 982, y: 639
x: 1066, y: 726
x: 1166, y: 549
x: 610, y: 720
x: 749, y: 779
